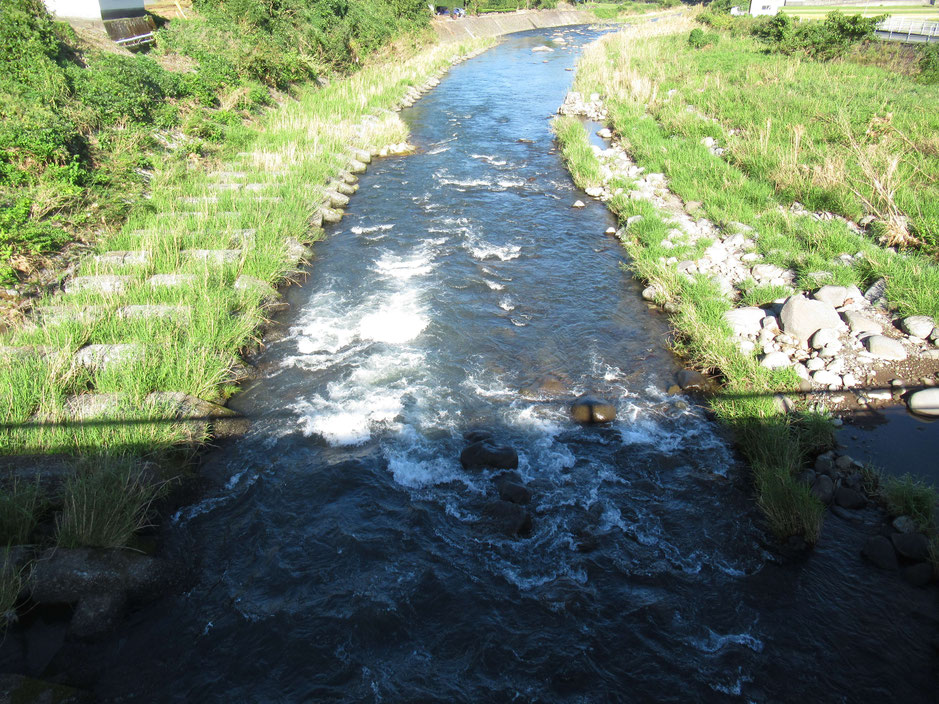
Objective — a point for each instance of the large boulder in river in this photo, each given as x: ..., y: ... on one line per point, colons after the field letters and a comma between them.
x: 587, y: 409
x: 802, y: 317
x: 508, y: 518
x: 485, y: 453
x: 879, y: 550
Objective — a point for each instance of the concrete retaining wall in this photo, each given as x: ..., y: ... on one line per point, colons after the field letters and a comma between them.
x: 500, y: 23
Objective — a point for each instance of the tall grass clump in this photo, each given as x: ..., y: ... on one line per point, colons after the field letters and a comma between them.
x: 577, y: 151
x: 104, y: 505
x: 20, y: 508
x: 11, y: 584
x: 908, y: 496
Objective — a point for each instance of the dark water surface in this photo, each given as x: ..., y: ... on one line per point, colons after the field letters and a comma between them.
x: 344, y: 554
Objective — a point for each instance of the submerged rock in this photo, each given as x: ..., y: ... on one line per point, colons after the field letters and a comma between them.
x: 485, y: 453
x: 508, y: 518
x: 879, y: 550
x: 590, y: 410
x: 918, y: 575
x: 514, y: 493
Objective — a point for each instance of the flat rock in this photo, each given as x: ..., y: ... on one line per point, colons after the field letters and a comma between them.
x: 885, y: 348
x: 919, y: 326
x: 57, y: 315
x: 171, y: 280
x: 102, y: 283
x: 117, y: 258
x: 858, y: 323
x: 924, y: 402
x: 102, y: 356
x: 67, y: 575
x: 802, y: 318
x: 154, y: 311
x: 879, y: 551
x: 745, y: 321
x: 913, y: 546
x: 587, y: 409
x: 249, y: 283
x: 213, y: 256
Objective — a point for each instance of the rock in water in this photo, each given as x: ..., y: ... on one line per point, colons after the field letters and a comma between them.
x: 508, y: 518
x: 514, y: 493
x: 590, y: 410
x: 849, y: 498
x: 925, y: 402
x: 485, y: 453
x: 914, y: 546
x: 879, y: 551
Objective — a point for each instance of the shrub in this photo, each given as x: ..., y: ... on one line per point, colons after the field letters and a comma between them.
x: 907, y: 496
x: 929, y: 63
x: 104, y: 506
x: 829, y: 39
x: 698, y: 39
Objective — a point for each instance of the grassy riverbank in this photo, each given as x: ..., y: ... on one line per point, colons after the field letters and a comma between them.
x: 106, y: 375
x: 840, y: 137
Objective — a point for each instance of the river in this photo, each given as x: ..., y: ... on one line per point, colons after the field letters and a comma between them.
x: 343, y: 553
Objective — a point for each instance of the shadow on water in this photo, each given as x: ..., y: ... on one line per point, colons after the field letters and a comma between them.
x: 342, y: 552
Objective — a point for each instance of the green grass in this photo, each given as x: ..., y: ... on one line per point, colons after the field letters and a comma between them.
x: 11, y: 584
x: 104, y: 505
x: 20, y: 507
x: 577, y: 152
x: 908, y: 496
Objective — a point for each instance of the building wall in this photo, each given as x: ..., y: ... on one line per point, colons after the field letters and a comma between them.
x: 75, y: 9
x: 765, y: 7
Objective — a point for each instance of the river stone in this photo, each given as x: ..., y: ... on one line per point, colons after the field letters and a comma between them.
x: 337, y: 200
x: 924, y: 402
x: 508, y: 518
x: 918, y: 575
x: 776, y: 360
x: 880, y: 551
x: 885, y: 347
x: 97, y: 614
x: 690, y: 380
x: 104, y: 283
x: 357, y: 167
x: 823, y: 338
x: 590, y: 410
x: 826, y: 379
x: 920, y: 326
x: 802, y: 318
x: 823, y: 488
x: 745, y: 321
x: 202, y: 414
x: 876, y: 294
x: 914, y: 546
x: 485, y: 453
x: 859, y: 324
x: 849, y: 498
x: 514, y: 493
x: 67, y: 575
x: 579, y: 204
x: 103, y: 356
x: 834, y: 296
x: 825, y: 463
x: 904, y: 524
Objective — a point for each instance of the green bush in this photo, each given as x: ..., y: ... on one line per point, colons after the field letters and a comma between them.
x: 929, y: 63
x: 908, y: 496
x: 698, y: 39
x: 828, y: 39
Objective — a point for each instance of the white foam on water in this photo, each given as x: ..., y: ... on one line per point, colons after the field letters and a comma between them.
x: 462, y: 184
x: 506, y: 304
x: 484, y: 250
x: 398, y: 320
x: 404, y: 267
x: 494, y: 285
x: 510, y: 183
x: 489, y: 159
x: 715, y: 642
x: 437, y: 150
x: 357, y: 230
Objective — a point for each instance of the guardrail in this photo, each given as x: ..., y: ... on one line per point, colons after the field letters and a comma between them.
x: 909, y: 30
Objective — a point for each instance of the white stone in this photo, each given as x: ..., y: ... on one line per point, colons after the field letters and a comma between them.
x: 885, y: 348
x: 860, y: 324
x: 802, y: 318
x: 776, y: 360
x: 826, y: 379
x: 579, y: 204
x: 822, y: 338
x: 745, y: 321
x: 920, y: 326
x: 815, y: 364
x: 925, y: 402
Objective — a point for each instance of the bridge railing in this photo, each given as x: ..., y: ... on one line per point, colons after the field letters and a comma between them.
x: 909, y: 29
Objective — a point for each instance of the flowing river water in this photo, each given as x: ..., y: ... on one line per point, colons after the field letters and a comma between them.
x: 344, y: 553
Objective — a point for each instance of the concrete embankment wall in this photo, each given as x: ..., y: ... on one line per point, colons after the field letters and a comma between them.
x: 500, y: 23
